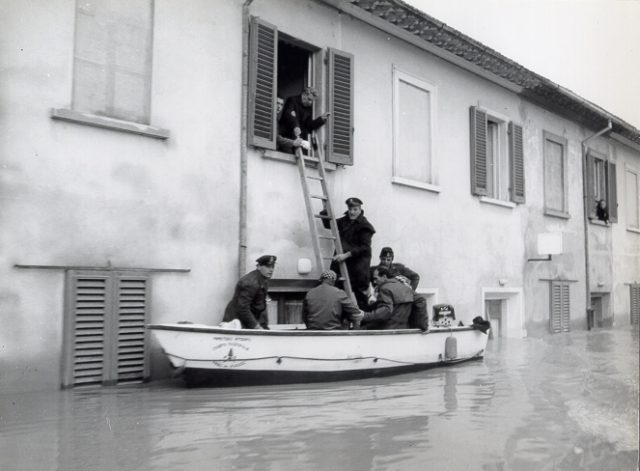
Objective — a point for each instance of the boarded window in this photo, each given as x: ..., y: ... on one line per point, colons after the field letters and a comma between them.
x: 559, y: 307
x: 634, y: 306
x: 555, y: 175
x: 414, y: 102
x: 105, y: 335
x: 112, y: 58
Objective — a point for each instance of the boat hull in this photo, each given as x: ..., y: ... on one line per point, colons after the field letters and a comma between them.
x: 207, y: 355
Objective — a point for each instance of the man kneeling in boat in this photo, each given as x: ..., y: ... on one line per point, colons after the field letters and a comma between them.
x: 325, y: 306
x: 249, y: 302
x: 393, y: 305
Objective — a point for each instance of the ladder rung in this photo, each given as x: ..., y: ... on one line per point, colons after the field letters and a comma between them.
x: 322, y: 216
x: 320, y: 197
x: 326, y: 237
x: 313, y: 177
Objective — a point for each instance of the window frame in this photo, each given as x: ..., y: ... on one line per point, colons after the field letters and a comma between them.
x: 633, y: 171
x: 610, y: 186
x: 564, y: 144
x: 398, y: 76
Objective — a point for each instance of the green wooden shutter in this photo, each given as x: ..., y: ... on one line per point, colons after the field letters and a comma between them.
x: 340, y: 125
x: 591, y: 196
x: 263, y: 79
x: 516, y: 151
x: 478, y: 132
x: 132, y: 306
x: 88, y: 301
x: 634, y: 305
x: 559, y: 307
x: 612, y: 198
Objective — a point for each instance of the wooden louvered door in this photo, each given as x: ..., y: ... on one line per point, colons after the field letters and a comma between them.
x: 105, y: 336
x: 634, y: 306
x: 559, y: 307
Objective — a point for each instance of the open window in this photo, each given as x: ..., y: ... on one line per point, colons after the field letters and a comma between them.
x: 497, y: 157
x: 281, y: 66
x: 602, y: 187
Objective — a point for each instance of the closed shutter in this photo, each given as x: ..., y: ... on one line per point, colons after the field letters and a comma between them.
x: 340, y: 129
x: 634, y: 306
x: 478, y: 132
x: 263, y: 60
x: 89, y: 304
x: 559, y: 318
x: 591, y: 196
x: 612, y: 186
x: 132, y: 308
x: 516, y: 148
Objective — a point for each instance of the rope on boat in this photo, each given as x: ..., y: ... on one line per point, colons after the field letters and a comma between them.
x: 280, y: 358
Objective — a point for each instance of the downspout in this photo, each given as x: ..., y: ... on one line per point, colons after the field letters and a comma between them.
x: 585, y: 208
x: 242, y: 232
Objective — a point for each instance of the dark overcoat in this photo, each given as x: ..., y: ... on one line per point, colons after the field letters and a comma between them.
x: 249, y: 302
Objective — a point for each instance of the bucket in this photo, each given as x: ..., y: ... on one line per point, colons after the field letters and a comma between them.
x: 451, y: 348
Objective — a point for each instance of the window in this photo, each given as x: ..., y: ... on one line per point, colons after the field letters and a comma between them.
x: 497, y: 157
x: 281, y: 65
x: 634, y: 306
x: 601, y: 184
x: 105, y: 340
x: 559, y: 307
x: 112, y: 60
x: 555, y: 175
x: 414, y: 105
x: 632, y: 200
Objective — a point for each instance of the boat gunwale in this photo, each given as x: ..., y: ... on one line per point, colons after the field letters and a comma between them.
x: 303, y: 332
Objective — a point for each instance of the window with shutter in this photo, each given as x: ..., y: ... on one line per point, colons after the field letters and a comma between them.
x: 632, y: 199
x: 612, y: 192
x: 478, y: 152
x: 559, y: 317
x: 105, y: 336
x: 340, y: 130
x: 555, y: 175
x: 516, y: 151
x: 263, y: 60
x: 634, y: 304
x: 602, y: 187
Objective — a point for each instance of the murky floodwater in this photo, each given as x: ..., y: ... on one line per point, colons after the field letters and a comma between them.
x: 564, y: 403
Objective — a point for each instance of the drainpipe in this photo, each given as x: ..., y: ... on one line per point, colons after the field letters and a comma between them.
x: 242, y: 232
x: 585, y: 208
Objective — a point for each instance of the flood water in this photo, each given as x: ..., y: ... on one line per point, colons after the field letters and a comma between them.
x: 567, y: 402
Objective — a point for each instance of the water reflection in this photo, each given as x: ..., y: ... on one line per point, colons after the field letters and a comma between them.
x: 563, y: 403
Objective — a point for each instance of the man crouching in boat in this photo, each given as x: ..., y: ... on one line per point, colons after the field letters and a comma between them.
x: 325, y: 306
x: 249, y: 302
x: 394, y: 303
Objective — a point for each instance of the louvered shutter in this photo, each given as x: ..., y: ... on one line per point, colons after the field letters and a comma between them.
x: 591, y: 196
x: 516, y: 148
x: 634, y: 304
x: 263, y: 70
x: 86, y: 343
x: 340, y: 126
x: 478, y: 132
x: 559, y: 307
x: 131, y: 313
x: 612, y: 186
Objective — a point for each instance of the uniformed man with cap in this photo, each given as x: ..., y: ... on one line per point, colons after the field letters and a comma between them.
x: 249, y: 302
x: 355, y: 235
x: 326, y: 307
x: 397, y: 269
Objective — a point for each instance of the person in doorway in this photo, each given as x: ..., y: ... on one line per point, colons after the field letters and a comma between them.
x: 249, y: 302
x: 355, y: 235
x: 397, y: 269
x: 284, y: 144
x: 296, y: 120
x: 326, y: 307
x: 394, y: 304
x: 602, y: 212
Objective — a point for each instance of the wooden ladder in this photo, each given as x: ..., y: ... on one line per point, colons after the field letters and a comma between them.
x: 321, y: 177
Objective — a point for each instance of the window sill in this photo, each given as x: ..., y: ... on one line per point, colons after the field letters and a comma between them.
x: 284, y: 157
x: 504, y: 204
x: 415, y: 184
x: 89, y: 119
x: 598, y: 222
x: 557, y: 214
x: 633, y: 229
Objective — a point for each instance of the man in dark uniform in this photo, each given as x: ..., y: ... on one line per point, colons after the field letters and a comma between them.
x: 355, y: 235
x: 394, y: 304
x: 386, y: 260
x: 296, y: 120
x: 325, y: 307
x: 249, y: 302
